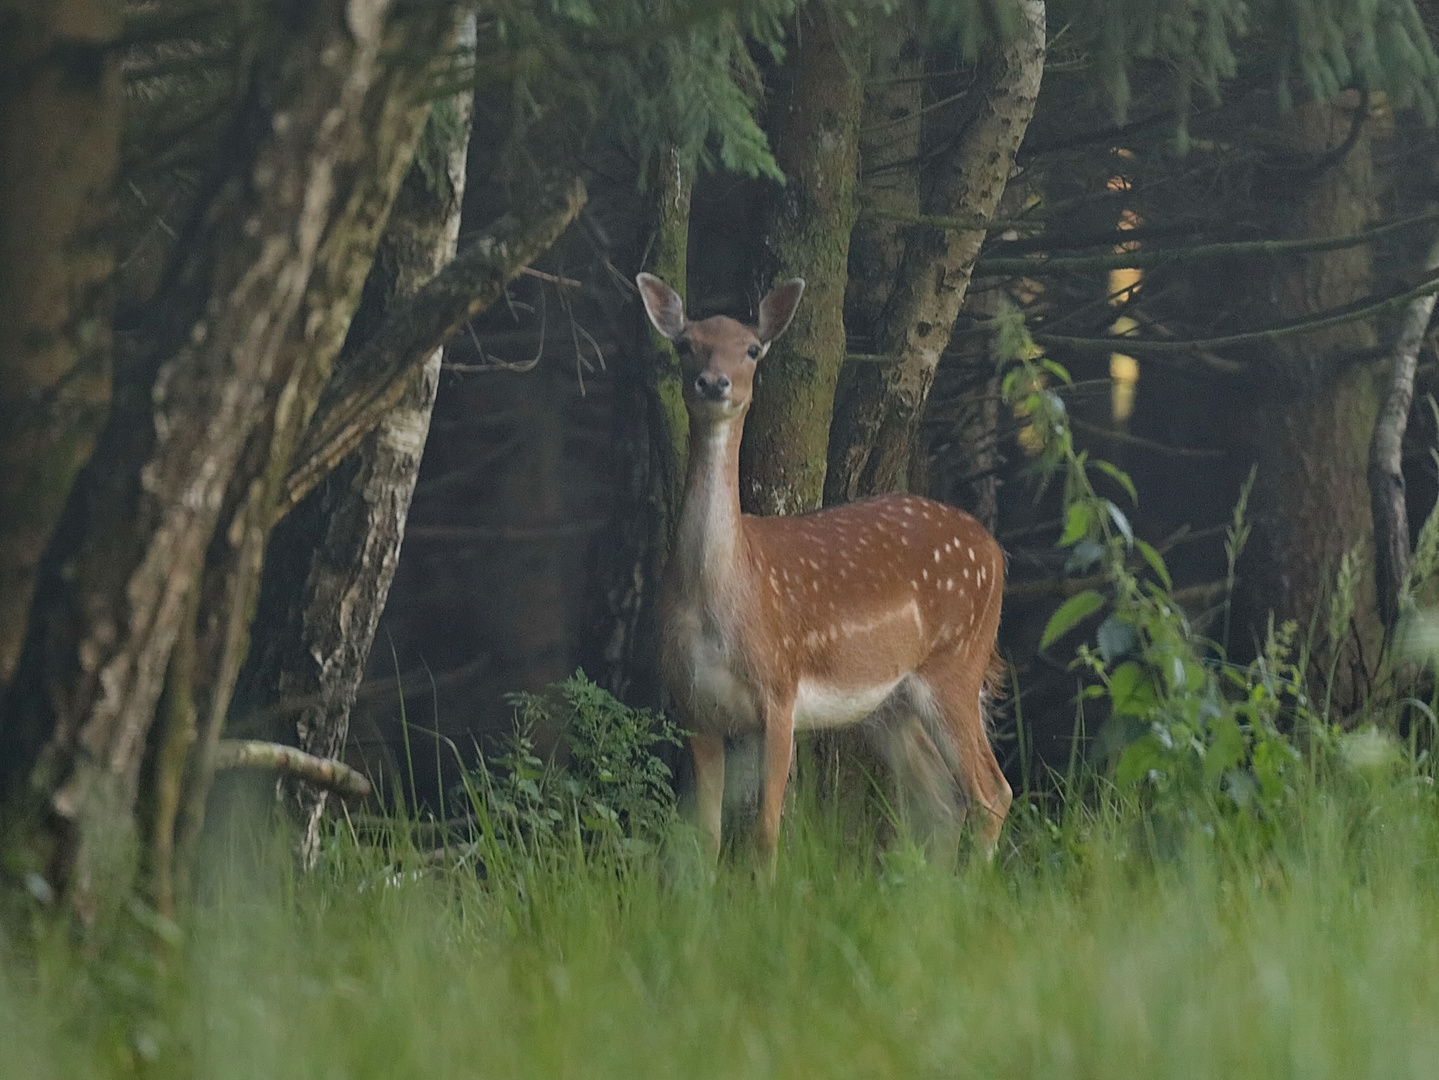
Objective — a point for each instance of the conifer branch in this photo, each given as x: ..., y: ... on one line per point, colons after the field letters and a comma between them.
x: 1192, y: 253
x: 1347, y: 313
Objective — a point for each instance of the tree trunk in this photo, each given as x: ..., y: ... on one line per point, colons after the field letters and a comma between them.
x: 333, y: 558
x: 1386, y: 457
x: 651, y: 432
x: 60, y: 119
x: 815, y: 135
x: 889, y: 171
x: 1317, y: 413
x: 194, y: 390
x: 875, y: 436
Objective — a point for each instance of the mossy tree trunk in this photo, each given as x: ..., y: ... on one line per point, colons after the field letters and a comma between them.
x: 60, y: 121
x: 1316, y: 406
x: 652, y: 439
x: 814, y: 131
x: 875, y: 437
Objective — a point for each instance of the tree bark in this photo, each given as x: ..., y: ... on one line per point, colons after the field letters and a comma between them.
x: 333, y: 558
x: 815, y: 135
x: 1386, y: 473
x: 60, y: 119
x: 875, y: 436
x: 889, y: 171
x: 1316, y: 414
x: 651, y: 432
x: 200, y: 369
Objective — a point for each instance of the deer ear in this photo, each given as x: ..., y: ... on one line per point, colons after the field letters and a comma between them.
x: 777, y: 309
x: 663, y: 305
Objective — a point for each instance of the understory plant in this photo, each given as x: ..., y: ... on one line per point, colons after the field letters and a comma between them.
x: 606, y: 786
x: 1190, y: 735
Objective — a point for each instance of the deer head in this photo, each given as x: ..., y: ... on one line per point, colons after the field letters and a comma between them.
x: 718, y: 355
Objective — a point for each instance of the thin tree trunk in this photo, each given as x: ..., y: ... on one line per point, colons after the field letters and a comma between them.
x: 875, y: 436
x: 816, y: 144
x: 60, y: 119
x: 651, y: 435
x: 389, y: 114
x: 1386, y: 473
x: 334, y: 557
x: 193, y: 394
x: 889, y: 171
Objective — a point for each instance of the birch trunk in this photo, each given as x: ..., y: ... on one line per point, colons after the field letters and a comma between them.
x: 875, y: 435
x: 195, y: 383
x: 1386, y: 456
x: 334, y: 556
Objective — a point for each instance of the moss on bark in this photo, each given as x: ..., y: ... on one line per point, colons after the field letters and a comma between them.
x: 815, y: 135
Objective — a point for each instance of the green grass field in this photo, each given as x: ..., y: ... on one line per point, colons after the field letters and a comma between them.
x: 1308, y: 950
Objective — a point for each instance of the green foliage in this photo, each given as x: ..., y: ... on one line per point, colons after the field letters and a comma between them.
x: 613, y: 791
x: 1325, y: 45
x: 1191, y: 736
x: 1309, y: 951
x: 661, y: 75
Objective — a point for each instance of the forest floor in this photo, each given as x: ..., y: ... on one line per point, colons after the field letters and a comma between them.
x: 1090, y: 949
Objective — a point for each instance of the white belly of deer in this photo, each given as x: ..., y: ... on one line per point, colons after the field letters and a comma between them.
x: 823, y: 705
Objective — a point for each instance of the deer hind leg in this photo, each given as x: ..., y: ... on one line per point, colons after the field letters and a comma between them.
x: 926, y: 799
x: 955, y: 708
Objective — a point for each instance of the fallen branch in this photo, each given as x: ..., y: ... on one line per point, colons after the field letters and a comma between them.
x: 276, y: 757
x: 360, y: 395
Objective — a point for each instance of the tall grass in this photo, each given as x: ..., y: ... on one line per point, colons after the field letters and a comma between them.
x: 1310, y: 949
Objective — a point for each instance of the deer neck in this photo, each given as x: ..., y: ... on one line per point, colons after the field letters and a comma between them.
x: 707, y: 564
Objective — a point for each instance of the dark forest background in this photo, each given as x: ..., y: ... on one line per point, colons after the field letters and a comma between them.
x: 290, y: 283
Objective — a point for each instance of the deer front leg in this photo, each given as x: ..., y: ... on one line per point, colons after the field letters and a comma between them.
x: 708, y: 751
x: 778, y: 753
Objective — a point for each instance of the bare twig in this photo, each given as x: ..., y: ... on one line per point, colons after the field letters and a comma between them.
x: 374, y: 380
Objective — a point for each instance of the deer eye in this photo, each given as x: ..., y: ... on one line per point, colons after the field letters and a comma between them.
x: 753, y: 352
x: 682, y: 346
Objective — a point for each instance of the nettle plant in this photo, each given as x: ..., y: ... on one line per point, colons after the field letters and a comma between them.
x: 1187, y: 730
x: 614, y: 791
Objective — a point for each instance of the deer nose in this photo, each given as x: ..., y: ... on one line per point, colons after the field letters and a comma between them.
x: 712, y: 386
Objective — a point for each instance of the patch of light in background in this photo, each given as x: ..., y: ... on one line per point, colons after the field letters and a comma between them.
x: 1123, y: 369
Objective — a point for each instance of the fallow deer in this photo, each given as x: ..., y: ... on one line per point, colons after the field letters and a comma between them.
x: 882, y: 612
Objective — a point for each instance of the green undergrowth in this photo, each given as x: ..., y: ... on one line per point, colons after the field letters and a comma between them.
x: 1090, y: 949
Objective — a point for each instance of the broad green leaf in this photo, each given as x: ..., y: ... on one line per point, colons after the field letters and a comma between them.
x: 1155, y: 561
x: 1077, y: 520
x: 1072, y: 612
x: 1116, y: 638
x: 1123, y: 683
x: 1139, y: 759
x: 1225, y: 750
x: 1058, y: 370
x: 1120, y: 477
x: 1120, y: 522
x: 1083, y: 555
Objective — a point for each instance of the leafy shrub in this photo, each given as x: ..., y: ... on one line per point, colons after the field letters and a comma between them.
x: 1191, y: 735
x: 614, y: 789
